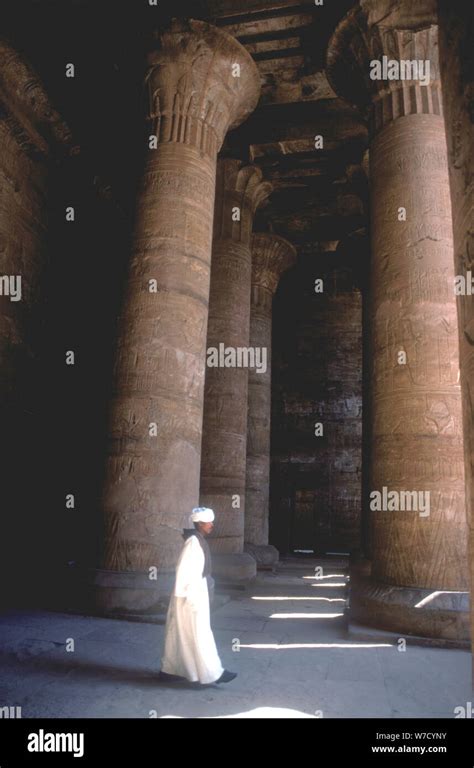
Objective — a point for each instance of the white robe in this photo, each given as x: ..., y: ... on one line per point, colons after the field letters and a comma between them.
x: 190, y: 649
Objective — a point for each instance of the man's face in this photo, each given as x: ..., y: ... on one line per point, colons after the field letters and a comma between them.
x: 205, y: 528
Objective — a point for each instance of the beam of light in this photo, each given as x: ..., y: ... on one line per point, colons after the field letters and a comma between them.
x: 292, y: 646
x: 329, y: 576
x: 325, y: 599
x: 434, y: 595
x: 335, y: 584
x: 305, y: 615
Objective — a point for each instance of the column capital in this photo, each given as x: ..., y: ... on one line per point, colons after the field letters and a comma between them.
x: 387, y: 63
x: 201, y: 82
x: 241, y: 186
x: 271, y: 256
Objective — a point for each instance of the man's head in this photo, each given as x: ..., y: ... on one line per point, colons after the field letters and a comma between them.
x: 203, y: 520
x: 204, y: 528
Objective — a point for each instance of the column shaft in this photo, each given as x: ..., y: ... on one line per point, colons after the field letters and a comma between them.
x: 458, y: 95
x: 259, y: 417
x: 271, y: 256
x: 200, y: 83
x: 32, y: 137
x: 153, y: 473
x: 417, y: 425
x: 419, y: 568
x: 239, y: 191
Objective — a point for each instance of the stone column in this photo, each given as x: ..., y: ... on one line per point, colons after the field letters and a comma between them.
x: 456, y: 30
x: 239, y: 191
x: 201, y: 82
x: 271, y: 256
x: 419, y: 578
x: 33, y: 138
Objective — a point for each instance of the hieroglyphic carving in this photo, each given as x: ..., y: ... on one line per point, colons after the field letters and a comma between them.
x: 416, y: 401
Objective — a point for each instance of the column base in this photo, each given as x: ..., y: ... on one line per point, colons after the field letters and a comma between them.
x: 266, y: 555
x: 233, y: 569
x: 428, y: 613
x: 131, y: 595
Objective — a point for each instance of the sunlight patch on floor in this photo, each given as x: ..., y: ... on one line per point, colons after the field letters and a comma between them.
x: 305, y: 615
x: 330, y: 576
x: 325, y: 599
x: 434, y: 595
x: 292, y: 646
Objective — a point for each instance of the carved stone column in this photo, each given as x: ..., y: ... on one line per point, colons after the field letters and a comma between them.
x: 31, y: 133
x: 419, y: 569
x: 32, y: 138
x: 456, y: 30
x: 271, y: 256
x: 239, y: 191
x: 201, y: 82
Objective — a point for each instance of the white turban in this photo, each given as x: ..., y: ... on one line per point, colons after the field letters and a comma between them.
x: 201, y: 515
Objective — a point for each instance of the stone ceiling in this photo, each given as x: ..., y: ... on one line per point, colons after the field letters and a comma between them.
x: 320, y: 193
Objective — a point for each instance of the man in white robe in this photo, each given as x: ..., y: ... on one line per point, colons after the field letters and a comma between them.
x: 190, y: 650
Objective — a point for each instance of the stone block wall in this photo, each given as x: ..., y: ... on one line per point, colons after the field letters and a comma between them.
x: 317, y: 375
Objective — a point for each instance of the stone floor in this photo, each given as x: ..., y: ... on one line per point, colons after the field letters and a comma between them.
x: 295, y: 659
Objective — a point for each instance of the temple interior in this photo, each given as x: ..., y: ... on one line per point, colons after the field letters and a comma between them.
x: 238, y: 247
